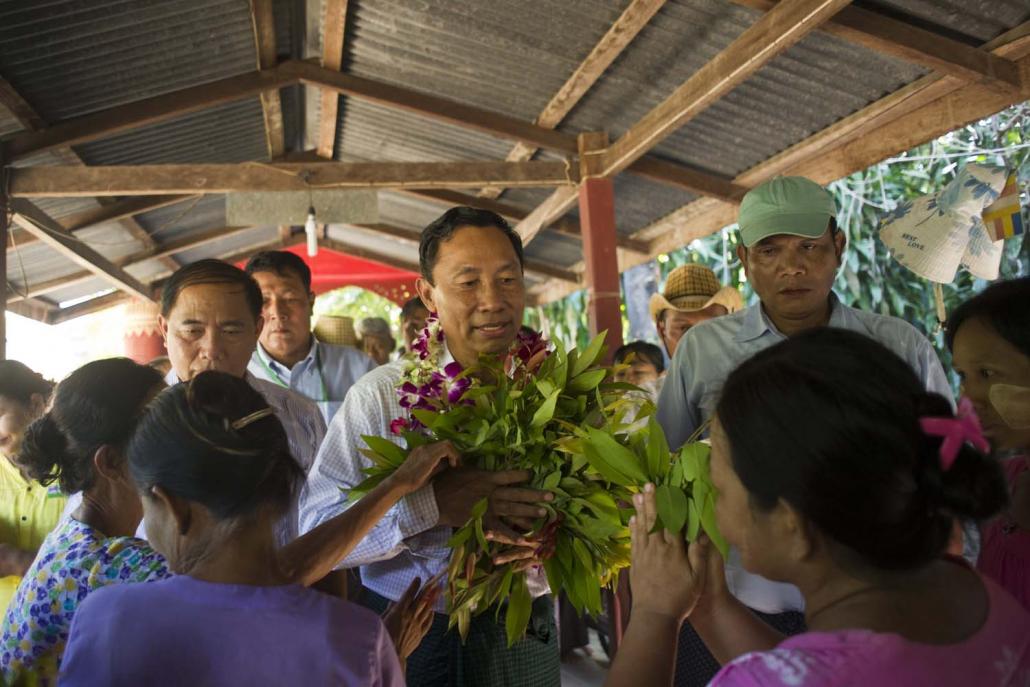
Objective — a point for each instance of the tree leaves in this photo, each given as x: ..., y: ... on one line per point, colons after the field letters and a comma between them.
x: 520, y: 608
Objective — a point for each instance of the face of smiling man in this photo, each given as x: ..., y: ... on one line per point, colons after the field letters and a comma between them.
x: 477, y: 291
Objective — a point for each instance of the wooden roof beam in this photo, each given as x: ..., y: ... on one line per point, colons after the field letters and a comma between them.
x: 618, y: 37
x: 134, y: 180
x: 118, y: 210
x: 37, y: 222
x: 770, y: 36
x: 160, y: 251
x: 889, y: 36
x: 149, y: 111
x: 334, y: 20
x: 263, y: 22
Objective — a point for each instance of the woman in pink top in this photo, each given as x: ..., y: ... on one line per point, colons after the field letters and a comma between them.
x: 989, y: 336
x: 838, y: 473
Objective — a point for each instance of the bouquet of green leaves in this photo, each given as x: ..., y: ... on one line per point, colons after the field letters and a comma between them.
x: 592, y: 443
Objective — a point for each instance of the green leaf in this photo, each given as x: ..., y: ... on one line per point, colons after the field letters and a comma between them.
x: 618, y: 456
x: 603, y: 467
x: 545, y: 412
x: 391, y: 452
x: 520, y: 606
x: 711, y: 528
x: 657, y: 450
x: 459, y: 537
x: 587, y: 381
x: 672, y: 507
x: 589, y: 355
x: 693, y: 520
x: 551, y: 481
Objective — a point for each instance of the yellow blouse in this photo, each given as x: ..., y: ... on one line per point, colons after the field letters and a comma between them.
x: 28, y: 512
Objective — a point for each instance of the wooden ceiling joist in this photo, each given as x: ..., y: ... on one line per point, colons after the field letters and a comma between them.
x: 134, y: 180
x: 621, y: 33
x: 19, y: 107
x: 774, y: 32
x: 263, y: 23
x: 447, y: 198
x: 889, y: 36
x: 163, y: 250
x: 534, y: 267
x: 334, y: 19
x: 150, y: 111
x: 105, y: 213
x: 913, y: 115
x: 46, y: 229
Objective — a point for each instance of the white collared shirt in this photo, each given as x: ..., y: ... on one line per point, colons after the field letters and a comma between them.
x: 324, y: 376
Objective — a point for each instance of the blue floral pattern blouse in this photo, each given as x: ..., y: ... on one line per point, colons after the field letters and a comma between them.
x: 74, y: 560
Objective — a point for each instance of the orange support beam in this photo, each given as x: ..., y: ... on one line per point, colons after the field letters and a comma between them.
x: 597, y: 225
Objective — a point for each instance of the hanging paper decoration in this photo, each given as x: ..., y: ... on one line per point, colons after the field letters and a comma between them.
x: 1002, y: 217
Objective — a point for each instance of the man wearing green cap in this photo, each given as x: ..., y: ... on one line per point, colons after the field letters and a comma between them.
x: 791, y: 248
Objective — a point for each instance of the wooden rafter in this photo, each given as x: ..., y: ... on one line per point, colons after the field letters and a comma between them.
x: 132, y: 180
x: 105, y: 213
x: 263, y: 23
x: 33, y: 122
x: 773, y: 33
x: 149, y: 111
x: 110, y: 300
x: 919, y: 112
x: 411, y: 238
x: 621, y: 33
x: 164, y: 250
x: 334, y: 20
x: 35, y: 221
x: 900, y: 39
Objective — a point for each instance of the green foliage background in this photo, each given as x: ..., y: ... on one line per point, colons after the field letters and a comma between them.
x: 870, y: 279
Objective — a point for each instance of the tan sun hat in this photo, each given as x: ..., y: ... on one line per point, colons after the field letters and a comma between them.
x: 336, y: 329
x: 690, y: 288
x: 935, y: 234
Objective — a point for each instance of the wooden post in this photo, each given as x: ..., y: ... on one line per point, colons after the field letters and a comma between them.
x: 597, y: 224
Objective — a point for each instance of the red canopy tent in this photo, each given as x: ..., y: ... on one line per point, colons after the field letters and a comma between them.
x: 331, y: 269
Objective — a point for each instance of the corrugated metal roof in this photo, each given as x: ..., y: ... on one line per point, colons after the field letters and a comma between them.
x: 68, y: 57
x: 232, y: 244
x: 812, y: 85
x: 979, y: 19
x: 184, y: 219
x: 233, y: 132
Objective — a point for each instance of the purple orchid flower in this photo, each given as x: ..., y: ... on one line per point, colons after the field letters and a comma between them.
x: 456, y: 387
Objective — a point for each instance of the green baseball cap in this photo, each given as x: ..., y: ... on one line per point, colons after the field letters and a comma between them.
x: 785, y: 205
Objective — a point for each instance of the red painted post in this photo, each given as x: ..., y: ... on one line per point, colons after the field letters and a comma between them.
x: 597, y: 227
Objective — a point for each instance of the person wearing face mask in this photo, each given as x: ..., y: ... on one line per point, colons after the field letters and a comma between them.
x: 989, y: 338
x: 28, y: 510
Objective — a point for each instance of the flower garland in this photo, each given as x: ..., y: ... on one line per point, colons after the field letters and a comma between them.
x: 425, y: 386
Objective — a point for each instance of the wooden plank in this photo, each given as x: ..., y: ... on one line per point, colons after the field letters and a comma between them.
x: 334, y: 20
x: 263, y: 23
x: 570, y: 228
x: 680, y: 176
x: 34, y: 220
x: 557, y: 204
x: 106, y: 213
x: 413, y: 238
x: 435, y: 107
x: 771, y: 35
x: 89, y: 307
x: 129, y: 180
x: 889, y: 36
x: 909, y: 117
x: 159, y: 251
x: 19, y: 107
x: 621, y: 33
x: 33, y: 309
x: 149, y: 111
x: 447, y: 198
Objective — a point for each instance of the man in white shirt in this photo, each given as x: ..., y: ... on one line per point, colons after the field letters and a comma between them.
x: 287, y: 354
x: 210, y: 319
x: 471, y: 262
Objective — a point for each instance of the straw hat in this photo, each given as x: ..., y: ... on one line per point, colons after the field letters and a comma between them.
x: 336, y: 329
x: 934, y: 234
x: 690, y: 288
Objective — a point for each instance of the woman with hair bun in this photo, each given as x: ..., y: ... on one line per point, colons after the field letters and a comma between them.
x: 838, y: 473
x: 28, y: 510
x: 230, y: 615
x: 83, y: 442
